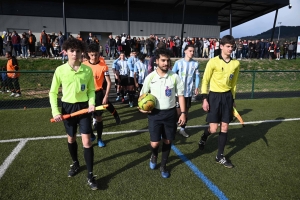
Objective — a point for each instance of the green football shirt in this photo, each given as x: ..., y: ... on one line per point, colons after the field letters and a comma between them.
x: 76, y: 86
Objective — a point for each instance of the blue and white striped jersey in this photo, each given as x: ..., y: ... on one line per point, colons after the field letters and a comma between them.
x: 121, y: 66
x: 141, y: 68
x: 131, y: 61
x: 187, y: 71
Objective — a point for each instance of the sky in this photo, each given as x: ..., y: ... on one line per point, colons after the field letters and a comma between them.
x: 287, y: 17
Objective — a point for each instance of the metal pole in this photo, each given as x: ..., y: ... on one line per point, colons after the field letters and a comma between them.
x: 128, y: 19
x: 64, y: 21
x: 279, y: 30
x: 182, y: 26
x: 274, y: 25
x: 230, y: 20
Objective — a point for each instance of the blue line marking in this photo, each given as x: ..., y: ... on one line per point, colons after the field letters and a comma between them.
x: 200, y: 175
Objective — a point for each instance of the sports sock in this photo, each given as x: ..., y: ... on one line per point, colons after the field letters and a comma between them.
x: 205, y: 134
x: 154, y: 150
x: 99, y: 129
x: 222, y: 139
x: 165, y: 154
x: 89, y: 160
x: 122, y: 93
x: 73, y: 147
x: 110, y: 107
x: 131, y: 95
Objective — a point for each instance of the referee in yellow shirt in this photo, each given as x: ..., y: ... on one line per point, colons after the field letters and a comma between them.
x: 221, y: 74
x: 78, y: 89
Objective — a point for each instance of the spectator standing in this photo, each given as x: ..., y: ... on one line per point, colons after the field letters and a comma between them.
x: 290, y: 50
x: 5, y: 39
x: 16, y: 40
x: 217, y: 47
x: 177, y: 46
x: 277, y: 49
x: 31, y: 43
x: 257, y: 49
x: 52, y: 40
x: 24, y: 45
x: 206, y: 45
x: 61, y: 40
x: 45, y: 41
x: 112, y: 47
x: 271, y: 50
x: 1, y: 45
x: 262, y: 48
x: 56, y: 48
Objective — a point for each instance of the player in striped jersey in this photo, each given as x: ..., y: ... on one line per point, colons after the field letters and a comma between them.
x: 140, y: 71
x: 188, y: 71
x: 121, y: 71
x: 220, y: 76
x: 131, y: 61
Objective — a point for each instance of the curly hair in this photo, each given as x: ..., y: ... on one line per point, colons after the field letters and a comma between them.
x: 162, y: 52
x: 93, y: 47
x: 73, y: 43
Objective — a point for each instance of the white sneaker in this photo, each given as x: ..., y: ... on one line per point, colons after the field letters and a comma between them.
x: 183, y: 133
x: 17, y: 95
x: 7, y: 91
x: 12, y: 94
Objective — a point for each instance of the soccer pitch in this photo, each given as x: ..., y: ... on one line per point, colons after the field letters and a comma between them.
x: 34, y: 157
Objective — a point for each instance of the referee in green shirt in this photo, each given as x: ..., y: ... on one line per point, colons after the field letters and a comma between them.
x: 78, y: 91
x: 221, y: 75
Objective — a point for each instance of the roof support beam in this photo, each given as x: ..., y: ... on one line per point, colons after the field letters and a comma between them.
x: 227, y: 4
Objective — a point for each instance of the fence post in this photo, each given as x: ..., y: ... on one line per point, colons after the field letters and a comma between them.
x: 253, y: 80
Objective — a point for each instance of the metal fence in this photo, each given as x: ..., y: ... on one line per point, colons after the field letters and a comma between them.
x: 35, y: 87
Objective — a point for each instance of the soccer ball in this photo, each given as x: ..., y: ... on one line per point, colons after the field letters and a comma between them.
x: 147, y: 102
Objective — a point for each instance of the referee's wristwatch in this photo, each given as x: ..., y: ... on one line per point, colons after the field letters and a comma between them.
x: 183, y: 113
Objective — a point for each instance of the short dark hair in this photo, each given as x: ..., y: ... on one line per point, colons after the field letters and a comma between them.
x: 142, y: 56
x: 73, y: 43
x: 162, y: 52
x: 187, y: 46
x: 227, y: 39
x: 93, y: 47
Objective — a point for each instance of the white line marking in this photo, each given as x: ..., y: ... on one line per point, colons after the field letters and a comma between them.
x: 11, y: 157
x: 146, y: 130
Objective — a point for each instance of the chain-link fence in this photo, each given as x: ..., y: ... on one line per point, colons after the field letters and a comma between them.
x: 35, y: 87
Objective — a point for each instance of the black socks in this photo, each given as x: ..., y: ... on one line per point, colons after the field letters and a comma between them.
x: 222, y: 139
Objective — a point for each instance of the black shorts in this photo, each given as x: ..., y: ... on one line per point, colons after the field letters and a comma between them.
x: 162, y: 124
x: 126, y: 81
x: 84, y: 121
x: 188, y: 102
x: 99, y: 95
x: 220, y: 107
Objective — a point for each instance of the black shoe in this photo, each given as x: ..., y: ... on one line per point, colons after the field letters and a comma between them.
x: 118, y: 120
x: 92, y: 183
x: 201, y: 144
x: 224, y: 162
x: 164, y: 172
x: 74, y: 169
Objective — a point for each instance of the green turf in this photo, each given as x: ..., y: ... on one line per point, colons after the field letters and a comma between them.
x: 265, y: 157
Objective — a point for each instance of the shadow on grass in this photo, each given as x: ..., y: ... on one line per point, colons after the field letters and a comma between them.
x: 250, y: 134
x: 103, y: 182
